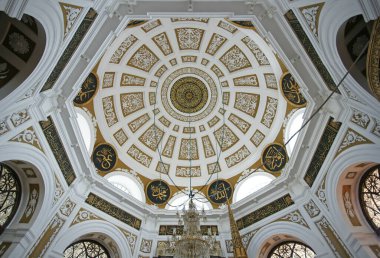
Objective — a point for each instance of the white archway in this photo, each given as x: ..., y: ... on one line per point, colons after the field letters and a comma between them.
x: 29, y: 154
x: 125, y: 180
x: 299, y: 232
x: 358, y: 154
x: 75, y: 232
x: 331, y: 19
x: 252, y: 184
x: 49, y: 16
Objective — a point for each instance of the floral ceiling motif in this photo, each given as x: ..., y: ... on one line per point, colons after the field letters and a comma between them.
x: 192, y: 90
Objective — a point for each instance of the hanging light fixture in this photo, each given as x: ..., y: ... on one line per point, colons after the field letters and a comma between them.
x: 191, y: 243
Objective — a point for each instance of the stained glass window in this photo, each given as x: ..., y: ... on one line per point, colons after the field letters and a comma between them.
x: 10, y: 192
x: 86, y: 249
x: 291, y: 250
x: 369, y: 194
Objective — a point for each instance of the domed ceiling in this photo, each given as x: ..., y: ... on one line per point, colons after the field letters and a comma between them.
x: 189, y: 96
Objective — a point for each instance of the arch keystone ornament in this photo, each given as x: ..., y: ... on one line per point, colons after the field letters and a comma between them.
x: 274, y: 157
x: 104, y: 157
x: 158, y: 192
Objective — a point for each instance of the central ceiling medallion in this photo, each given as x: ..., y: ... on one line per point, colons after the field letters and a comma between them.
x: 189, y: 95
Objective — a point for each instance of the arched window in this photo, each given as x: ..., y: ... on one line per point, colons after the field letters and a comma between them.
x: 295, y: 123
x: 86, y: 248
x: 251, y: 184
x: 369, y: 194
x: 86, y: 129
x: 10, y: 192
x: 127, y: 185
x: 290, y: 250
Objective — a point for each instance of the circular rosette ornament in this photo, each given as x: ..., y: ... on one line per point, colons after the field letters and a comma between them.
x: 291, y: 91
x: 104, y: 157
x: 158, y: 192
x: 87, y: 91
x: 219, y: 191
x: 189, y: 95
x: 274, y: 157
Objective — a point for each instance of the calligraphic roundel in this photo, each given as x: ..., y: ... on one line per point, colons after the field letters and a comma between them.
x: 158, y: 192
x: 104, y: 157
x: 291, y: 90
x: 88, y: 90
x: 219, y: 191
x: 274, y: 157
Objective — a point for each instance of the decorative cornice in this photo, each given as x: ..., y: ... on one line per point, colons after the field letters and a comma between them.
x: 324, y: 145
x: 310, y: 50
x: 266, y: 211
x: 70, y: 49
x: 59, y: 152
x: 113, y: 211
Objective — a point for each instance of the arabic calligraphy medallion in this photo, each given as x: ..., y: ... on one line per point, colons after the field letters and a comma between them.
x: 219, y: 191
x: 292, y: 91
x: 158, y: 191
x: 87, y: 91
x: 274, y: 157
x: 104, y: 157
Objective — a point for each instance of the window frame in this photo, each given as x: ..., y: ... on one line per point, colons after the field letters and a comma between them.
x: 17, y: 198
x: 91, y: 241
x: 363, y: 209
x: 271, y: 252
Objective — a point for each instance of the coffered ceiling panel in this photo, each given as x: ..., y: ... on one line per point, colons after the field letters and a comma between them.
x: 189, y: 96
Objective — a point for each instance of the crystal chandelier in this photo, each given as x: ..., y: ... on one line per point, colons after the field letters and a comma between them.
x: 191, y: 243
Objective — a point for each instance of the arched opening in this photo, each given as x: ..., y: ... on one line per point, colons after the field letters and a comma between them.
x: 10, y: 194
x: 21, y: 48
x: 38, y: 189
x: 252, y: 184
x: 127, y: 184
x: 86, y: 128
x: 369, y: 197
x: 352, y: 39
x: 294, y: 124
x: 291, y: 249
x: 86, y: 249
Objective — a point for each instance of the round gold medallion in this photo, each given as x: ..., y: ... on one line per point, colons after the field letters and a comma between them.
x: 189, y: 95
